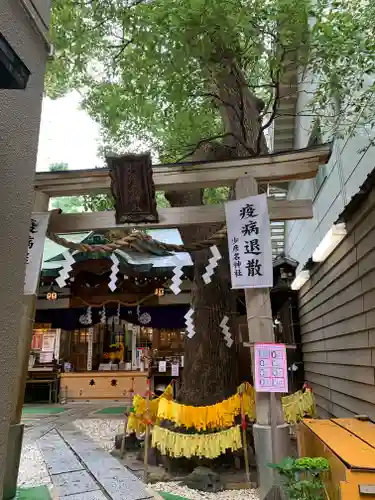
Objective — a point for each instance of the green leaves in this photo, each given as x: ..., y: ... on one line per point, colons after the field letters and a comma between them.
x: 303, y: 477
x: 316, y: 464
x: 145, y: 68
x: 58, y: 167
x: 145, y: 71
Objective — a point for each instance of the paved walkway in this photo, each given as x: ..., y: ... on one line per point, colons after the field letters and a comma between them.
x: 75, y: 466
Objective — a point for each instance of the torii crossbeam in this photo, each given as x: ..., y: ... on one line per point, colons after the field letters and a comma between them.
x: 245, y: 174
x: 281, y: 167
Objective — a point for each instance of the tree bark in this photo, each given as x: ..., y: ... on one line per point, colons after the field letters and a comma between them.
x: 210, y: 367
x: 239, y: 108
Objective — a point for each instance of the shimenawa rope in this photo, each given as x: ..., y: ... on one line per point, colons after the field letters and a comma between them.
x: 134, y: 241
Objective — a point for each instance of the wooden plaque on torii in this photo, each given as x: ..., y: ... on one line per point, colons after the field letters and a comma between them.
x: 133, y: 188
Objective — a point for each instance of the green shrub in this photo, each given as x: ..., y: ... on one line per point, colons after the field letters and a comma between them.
x: 302, y: 477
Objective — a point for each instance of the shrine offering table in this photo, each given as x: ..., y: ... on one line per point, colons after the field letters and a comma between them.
x: 45, y: 376
x: 349, y: 446
x: 92, y: 385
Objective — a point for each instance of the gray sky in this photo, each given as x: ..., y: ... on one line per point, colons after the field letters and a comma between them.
x: 67, y: 134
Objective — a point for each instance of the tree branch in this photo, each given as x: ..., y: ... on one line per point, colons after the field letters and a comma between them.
x: 242, y: 105
x: 213, y: 138
x: 137, y: 2
x: 276, y: 81
x: 218, y: 98
x: 122, y: 47
x: 274, y: 109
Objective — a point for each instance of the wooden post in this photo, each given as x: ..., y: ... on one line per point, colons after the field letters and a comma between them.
x: 244, y: 441
x: 260, y: 326
x: 24, y: 345
x: 272, y: 397
x: 41, y: 202
x: 147, y: 434
x: 258, y: 311
x: 123, y: 440
x: 134, y: 330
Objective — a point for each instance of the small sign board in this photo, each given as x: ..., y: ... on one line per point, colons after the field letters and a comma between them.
x: 175, y: 369
x: 48, y: 342
x: 162, y: 366
x: 271, y: 373
x: 46, y: 357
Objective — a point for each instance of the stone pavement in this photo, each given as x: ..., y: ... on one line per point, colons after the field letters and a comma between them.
x: 74, y: 465
x: 69, y: 453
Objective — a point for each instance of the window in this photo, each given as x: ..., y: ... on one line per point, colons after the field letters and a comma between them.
x: 315, y: 140
x: 13, y: 72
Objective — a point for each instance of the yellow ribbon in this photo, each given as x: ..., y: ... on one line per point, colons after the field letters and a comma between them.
x: 298, y: 405
x: 136, y: 418
x: 135, y: 424
x: 201, y: 445
x: 218, y: 416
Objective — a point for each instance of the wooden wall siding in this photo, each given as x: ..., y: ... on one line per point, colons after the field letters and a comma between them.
x: 337, y: 315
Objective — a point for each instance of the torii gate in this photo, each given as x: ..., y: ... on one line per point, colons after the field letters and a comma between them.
x: 243, y: 173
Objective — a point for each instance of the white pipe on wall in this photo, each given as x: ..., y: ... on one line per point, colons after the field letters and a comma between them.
x: 31, y: 14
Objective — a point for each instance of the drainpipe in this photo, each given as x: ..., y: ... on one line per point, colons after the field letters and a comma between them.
x: 35, y: 19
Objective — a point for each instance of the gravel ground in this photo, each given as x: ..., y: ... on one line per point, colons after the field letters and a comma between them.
x: 186, y: 492
x: 101, y: 431
x: 33, y: 469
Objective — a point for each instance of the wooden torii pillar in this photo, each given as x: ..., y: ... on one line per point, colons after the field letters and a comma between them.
x: 260, y: 327
x: 245, y: 174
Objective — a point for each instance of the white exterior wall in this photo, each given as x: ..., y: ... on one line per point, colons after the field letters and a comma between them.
x: 346, y: 171
x: 20, y: 111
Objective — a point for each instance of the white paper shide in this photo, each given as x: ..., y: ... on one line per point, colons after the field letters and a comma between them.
x: 249, y: 241
x: 37, y: 234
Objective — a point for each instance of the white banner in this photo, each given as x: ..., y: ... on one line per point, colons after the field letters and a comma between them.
x: 249, y: 240
x: 90, y: 340
x: 57, y: 344
x: 37, y: 235
x: 175, y: 370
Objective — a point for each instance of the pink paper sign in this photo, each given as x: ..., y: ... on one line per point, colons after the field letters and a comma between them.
x: 271, y: 373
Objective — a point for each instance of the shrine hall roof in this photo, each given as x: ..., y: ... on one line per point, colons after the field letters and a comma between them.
x: 53, y: 255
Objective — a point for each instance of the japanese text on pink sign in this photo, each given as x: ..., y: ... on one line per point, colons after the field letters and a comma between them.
x: 271, y: 374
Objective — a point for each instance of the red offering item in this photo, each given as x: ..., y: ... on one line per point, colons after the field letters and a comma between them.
x: 243, y: 418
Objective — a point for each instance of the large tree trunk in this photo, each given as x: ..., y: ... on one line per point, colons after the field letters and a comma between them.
x: 239, y: 108
x: 210, y: 367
